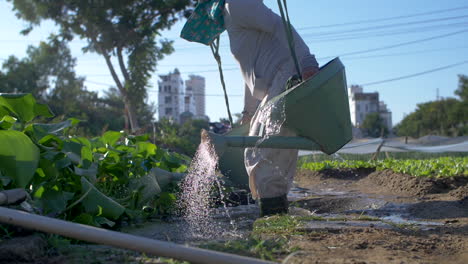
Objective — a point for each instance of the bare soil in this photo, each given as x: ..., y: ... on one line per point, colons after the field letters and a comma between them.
x: 443, y: 203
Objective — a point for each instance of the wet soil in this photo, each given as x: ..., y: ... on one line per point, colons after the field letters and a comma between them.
x: 420, y: 220
x: 359, y: 216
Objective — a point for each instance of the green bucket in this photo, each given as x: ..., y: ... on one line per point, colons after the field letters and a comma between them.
x: 317, y: 109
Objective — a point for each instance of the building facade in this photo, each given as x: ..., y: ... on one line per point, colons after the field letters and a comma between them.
x: 179, y: 100
x: 361, y: 104
x: 171, y: 97
x: 196, y: 86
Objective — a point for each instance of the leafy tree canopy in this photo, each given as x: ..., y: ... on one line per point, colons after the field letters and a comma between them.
x: 374, y: 125
x: 446, y: 117
x: 462, y: 90
x: 183, y: 138
x: 114, y: 29
x: 47, y: 72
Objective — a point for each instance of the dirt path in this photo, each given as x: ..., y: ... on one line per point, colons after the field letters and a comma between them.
x: 419, y: 220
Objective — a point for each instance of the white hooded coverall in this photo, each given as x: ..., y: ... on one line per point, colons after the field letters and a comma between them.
x: 258, y: 42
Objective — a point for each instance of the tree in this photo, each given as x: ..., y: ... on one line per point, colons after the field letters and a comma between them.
x: 21, y: 76
x: 183, y: 138
x: 124, y: 30
x: 374, y: 125
x: 462, y: 90
x: 431, y: 118
x: 446, y: 117
x: 48, y: 73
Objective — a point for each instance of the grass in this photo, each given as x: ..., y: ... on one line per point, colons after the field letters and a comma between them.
x: 269, y: 249
x: 277, y: 225
x: 367, y: 218
x: 267, y: 241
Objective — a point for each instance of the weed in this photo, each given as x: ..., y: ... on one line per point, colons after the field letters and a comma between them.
x: 368, y: 218
x: 6, y: 232
x: 269, y: 249
x: 407, y: 226
x: 277, y: 225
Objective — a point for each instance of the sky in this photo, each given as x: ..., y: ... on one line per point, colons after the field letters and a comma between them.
x: 378, y: 41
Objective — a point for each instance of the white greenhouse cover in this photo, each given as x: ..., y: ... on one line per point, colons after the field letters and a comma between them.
x: 392, y: 145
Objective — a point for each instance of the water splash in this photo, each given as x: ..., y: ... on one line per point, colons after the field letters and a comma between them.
x: 201, y: 191
x: 272, y: 116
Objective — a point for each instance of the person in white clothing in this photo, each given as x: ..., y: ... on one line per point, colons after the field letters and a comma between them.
x: 259, y: 43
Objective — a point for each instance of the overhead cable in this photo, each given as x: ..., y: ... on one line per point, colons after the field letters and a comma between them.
x: 415, y: 74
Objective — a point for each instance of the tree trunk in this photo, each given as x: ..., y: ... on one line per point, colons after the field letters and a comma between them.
x: 131, y: 113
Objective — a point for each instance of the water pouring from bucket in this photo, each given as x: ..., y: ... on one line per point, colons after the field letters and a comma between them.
x: 317, y: 111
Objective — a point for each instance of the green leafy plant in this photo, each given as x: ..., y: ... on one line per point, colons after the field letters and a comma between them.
x: 94, y: 181
x: 436, y: 167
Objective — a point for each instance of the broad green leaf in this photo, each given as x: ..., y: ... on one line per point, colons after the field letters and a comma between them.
x: 104, y: 221
x: 51, y: 141
x: 23, y: 106
x: 89, y: 173
x: 171, y: 161
x: 146, y: 149
x: 4, y: 180
x: 18, y: 157
x: 4, y: 112
x: 55, y: 201
x: 85, y: 219
x: 39, y: 192
x: 63, y: 163
x: 74, y: 121
x: 40, y: 172
x: 72, y: 147
x: 82, y: 140
x: 41, y: 130
x: 7, y: 122
x: 96, y: 200
x: 86, y: 156
x: 111, y: 137
x: 148, y: 186
x: 140, y: 138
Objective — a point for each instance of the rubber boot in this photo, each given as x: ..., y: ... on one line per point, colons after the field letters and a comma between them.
x: 273, y: 206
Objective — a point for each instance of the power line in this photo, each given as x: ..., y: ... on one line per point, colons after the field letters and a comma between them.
x: 236, y: 68
x: 234, y: 65
x: 314, y: 39
x: 325, y: 26
x: 369, y: 21
x: 404, y: 53
x: 347, y: 58
x: 154, y: 91
x: 378, y: 19
x: 365, y: 84
x: 416, y: 74
x: 99, y: 83
x: 396, y: 45
x: 386, y: 26
x: 195, y: 94
x: 388, y: 33
x: 386, y: 19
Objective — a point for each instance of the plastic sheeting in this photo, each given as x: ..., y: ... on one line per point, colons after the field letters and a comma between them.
x: 389, y: 145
